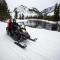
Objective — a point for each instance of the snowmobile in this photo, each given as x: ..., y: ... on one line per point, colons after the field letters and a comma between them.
x: 19, y: 35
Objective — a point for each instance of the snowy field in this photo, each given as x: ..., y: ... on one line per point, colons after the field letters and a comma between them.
x: 47, y: 46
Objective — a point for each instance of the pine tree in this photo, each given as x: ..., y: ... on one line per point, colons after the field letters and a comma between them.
x: 16, y: 14
x: 22, y: 16
x: 59, y: 12
x: 4, y: 12
x: 56, y: 12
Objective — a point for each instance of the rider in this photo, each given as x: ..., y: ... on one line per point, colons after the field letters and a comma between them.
x: 15, y: 25
x: 10, y: 25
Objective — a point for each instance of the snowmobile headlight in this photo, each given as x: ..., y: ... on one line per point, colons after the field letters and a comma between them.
x: 24, y: 31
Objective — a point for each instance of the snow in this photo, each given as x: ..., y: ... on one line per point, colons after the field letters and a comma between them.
x: 46, y: 47
x: 50, y: 14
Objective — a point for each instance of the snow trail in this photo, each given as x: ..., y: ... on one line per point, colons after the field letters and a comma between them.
x: 47, y: 47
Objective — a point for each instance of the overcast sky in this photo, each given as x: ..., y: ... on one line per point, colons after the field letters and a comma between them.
x: 39, y: 4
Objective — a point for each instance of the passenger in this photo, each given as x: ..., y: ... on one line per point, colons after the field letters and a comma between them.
x: 10, y: 25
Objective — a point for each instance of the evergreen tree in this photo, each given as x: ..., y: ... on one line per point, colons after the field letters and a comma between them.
x: 4, y: 12
x: 22, y: 16
x: 45, y: 14
x: 40, y: 16
x: 56, y: 12
x: 59, y: 11
x: 16, y: 14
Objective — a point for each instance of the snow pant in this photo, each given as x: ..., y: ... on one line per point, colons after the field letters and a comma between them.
x: 10, y: 31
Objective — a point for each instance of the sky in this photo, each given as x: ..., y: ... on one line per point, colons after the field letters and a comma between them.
x: 39, y: 4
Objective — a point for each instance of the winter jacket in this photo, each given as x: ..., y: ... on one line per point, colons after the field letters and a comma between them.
x: 10, y: 24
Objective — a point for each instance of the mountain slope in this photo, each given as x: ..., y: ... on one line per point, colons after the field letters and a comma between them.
x: 27, y: 11
x: 33, y: 11
x: 48, y: 10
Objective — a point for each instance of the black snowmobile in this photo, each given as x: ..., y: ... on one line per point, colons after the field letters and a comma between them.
x: 19, y: 35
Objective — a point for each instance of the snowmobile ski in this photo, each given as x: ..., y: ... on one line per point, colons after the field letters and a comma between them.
x: 21, y: 44
x: 33, y: 39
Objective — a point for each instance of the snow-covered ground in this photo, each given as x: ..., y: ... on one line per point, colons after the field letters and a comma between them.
x: 47, y: 46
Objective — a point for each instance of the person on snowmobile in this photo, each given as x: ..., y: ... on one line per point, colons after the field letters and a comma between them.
x: 10, y: 25
x: 15, y: 25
